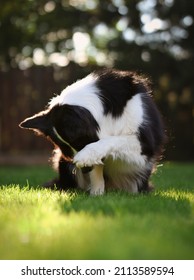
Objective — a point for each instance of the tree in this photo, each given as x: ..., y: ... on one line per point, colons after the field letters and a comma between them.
x: 90, y: 31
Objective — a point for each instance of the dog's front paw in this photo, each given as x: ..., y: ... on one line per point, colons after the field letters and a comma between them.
x: 88, y: 156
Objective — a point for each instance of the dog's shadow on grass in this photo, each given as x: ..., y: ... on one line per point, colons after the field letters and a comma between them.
x: 118, y: 203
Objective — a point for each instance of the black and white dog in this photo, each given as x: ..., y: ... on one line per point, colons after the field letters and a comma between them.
x: 107, y: 131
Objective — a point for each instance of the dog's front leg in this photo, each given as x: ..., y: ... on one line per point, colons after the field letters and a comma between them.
x: 97, y: 180
x: 126, y: 147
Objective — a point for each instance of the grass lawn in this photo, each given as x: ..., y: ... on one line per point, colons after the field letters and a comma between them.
x: 41, y: 224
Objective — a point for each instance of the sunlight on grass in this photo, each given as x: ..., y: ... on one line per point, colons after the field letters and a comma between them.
x: 180, y: 196
x: 38, y: 223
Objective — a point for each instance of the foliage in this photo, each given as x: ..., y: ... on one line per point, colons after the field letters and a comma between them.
x: 96, y: 31
x: 36, y: 223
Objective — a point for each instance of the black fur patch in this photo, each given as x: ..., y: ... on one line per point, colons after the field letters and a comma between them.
x: 75, y: 124
x: 117, y: 87
x: 66, y: 179
x: 151, y: 132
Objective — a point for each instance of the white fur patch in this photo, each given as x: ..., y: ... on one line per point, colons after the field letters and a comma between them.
x: 127, y: 124
x: 125, y: 148
x: 82, y: 93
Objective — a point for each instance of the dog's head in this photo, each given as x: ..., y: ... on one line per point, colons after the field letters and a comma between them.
x: 69, y: 127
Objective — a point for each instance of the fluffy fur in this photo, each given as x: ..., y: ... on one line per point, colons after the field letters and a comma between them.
x: 107, y: 132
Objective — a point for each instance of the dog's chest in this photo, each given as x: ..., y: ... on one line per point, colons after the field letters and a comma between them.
x: 118, y: 167
x: 119, y: 174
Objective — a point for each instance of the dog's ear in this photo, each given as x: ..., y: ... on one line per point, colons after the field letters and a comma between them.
x: 39, y: 122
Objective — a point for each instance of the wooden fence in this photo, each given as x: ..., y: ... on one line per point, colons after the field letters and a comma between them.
x: 22, y: 94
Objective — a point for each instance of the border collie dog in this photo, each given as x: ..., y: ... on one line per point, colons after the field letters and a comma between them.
x: 107, y: 132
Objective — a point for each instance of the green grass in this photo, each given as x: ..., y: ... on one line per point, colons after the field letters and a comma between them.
x: 36, y: 223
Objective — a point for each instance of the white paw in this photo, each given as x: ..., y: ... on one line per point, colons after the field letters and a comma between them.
x: 96, y: 192
x: 88, y: 156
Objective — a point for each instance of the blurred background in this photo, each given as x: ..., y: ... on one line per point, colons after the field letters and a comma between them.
x: 46, y: 45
